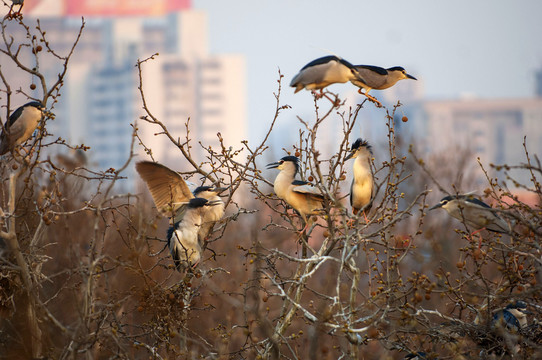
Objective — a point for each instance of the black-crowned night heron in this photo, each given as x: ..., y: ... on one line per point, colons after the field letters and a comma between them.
x: 370, y: 77
x: 513, y: 317
x: 322, y: 72
x: 171, y: 195
x: 211, y: 214
x: 304, y: 197
x: 20, y: 126
x: 362, y: 191
x: 183, y: 236
x: 474, y: 212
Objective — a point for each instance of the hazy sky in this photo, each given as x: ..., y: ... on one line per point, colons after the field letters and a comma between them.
x: 489, y: 48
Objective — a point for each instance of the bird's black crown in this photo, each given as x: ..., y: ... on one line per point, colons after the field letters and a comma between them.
x: 359, y: 143
x: 517, y: 305
x: 396, y: 68
x: 201, y: 189
x: 197, y: 202
x: 293, y: 159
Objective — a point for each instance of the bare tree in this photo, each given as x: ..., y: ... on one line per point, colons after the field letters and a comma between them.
x: 84, y: 271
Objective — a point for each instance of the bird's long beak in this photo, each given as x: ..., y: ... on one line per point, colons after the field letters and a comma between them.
x: 411, y: 77
x: 349, y: 156
x: 273, y: 165
x: 435, y: 207
x: 219, y: 190
x: 213, y: 203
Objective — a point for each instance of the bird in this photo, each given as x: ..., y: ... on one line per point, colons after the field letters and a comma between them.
x: 322, y: 72
x: 370, y: 77
x: 304, y: 197
x: 183, y: 236
x: 172, y: 195
x: 474, y: 213
x: 513, y: 317
x: 14, y: 14
x: 212, y: 214
x: 362, y: 190
x: 20, y: 125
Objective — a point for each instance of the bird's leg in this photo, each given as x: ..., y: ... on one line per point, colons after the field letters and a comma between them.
x: 350, y: 223
x: 321, y: 94
x: 335, y: 102
x: 480, y: 235
x: 303, y: 237
x: 14, y: 14
x: 371, y: 98
x: 318, y: 95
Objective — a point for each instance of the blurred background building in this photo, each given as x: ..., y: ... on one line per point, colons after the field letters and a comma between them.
x: 101, y: 99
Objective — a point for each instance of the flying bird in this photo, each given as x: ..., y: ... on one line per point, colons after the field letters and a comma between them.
x: 173, y: 198
x: 304, y: 197
x: 362, y: 190
x: 20, y: 126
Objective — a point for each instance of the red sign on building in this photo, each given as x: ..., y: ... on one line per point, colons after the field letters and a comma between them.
x: 113, y: 7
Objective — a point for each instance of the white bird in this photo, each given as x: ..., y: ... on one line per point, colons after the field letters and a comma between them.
x: 182, y: 237
x: 173, y: 198
x: 362, y: 190
x: 304, y: 197
x: 211, y: 214
x: 323, y: 72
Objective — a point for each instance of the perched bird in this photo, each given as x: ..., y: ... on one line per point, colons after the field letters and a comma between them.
x: 304, y: 197
x: 173, y: 198
x: 370, y: 77
x: 211, y: 214
x: 322, y: 72
x: 474, y: 212
x: 15, y: 13
x: 362, y: 190
x: 512, y: 317
x: 182, y: 237
x: 20, y: 126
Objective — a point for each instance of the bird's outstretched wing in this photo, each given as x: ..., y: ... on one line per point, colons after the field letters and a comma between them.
x: 168, y: 189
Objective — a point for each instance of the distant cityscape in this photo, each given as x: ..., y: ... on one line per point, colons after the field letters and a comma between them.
x: 100, y: 98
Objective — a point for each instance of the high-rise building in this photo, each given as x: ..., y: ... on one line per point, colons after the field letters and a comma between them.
x: 492, y: 129
x: 101, y: 99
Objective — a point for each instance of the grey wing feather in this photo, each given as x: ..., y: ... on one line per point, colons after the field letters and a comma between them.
x: 370, y: 77
x: 308, y: 189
